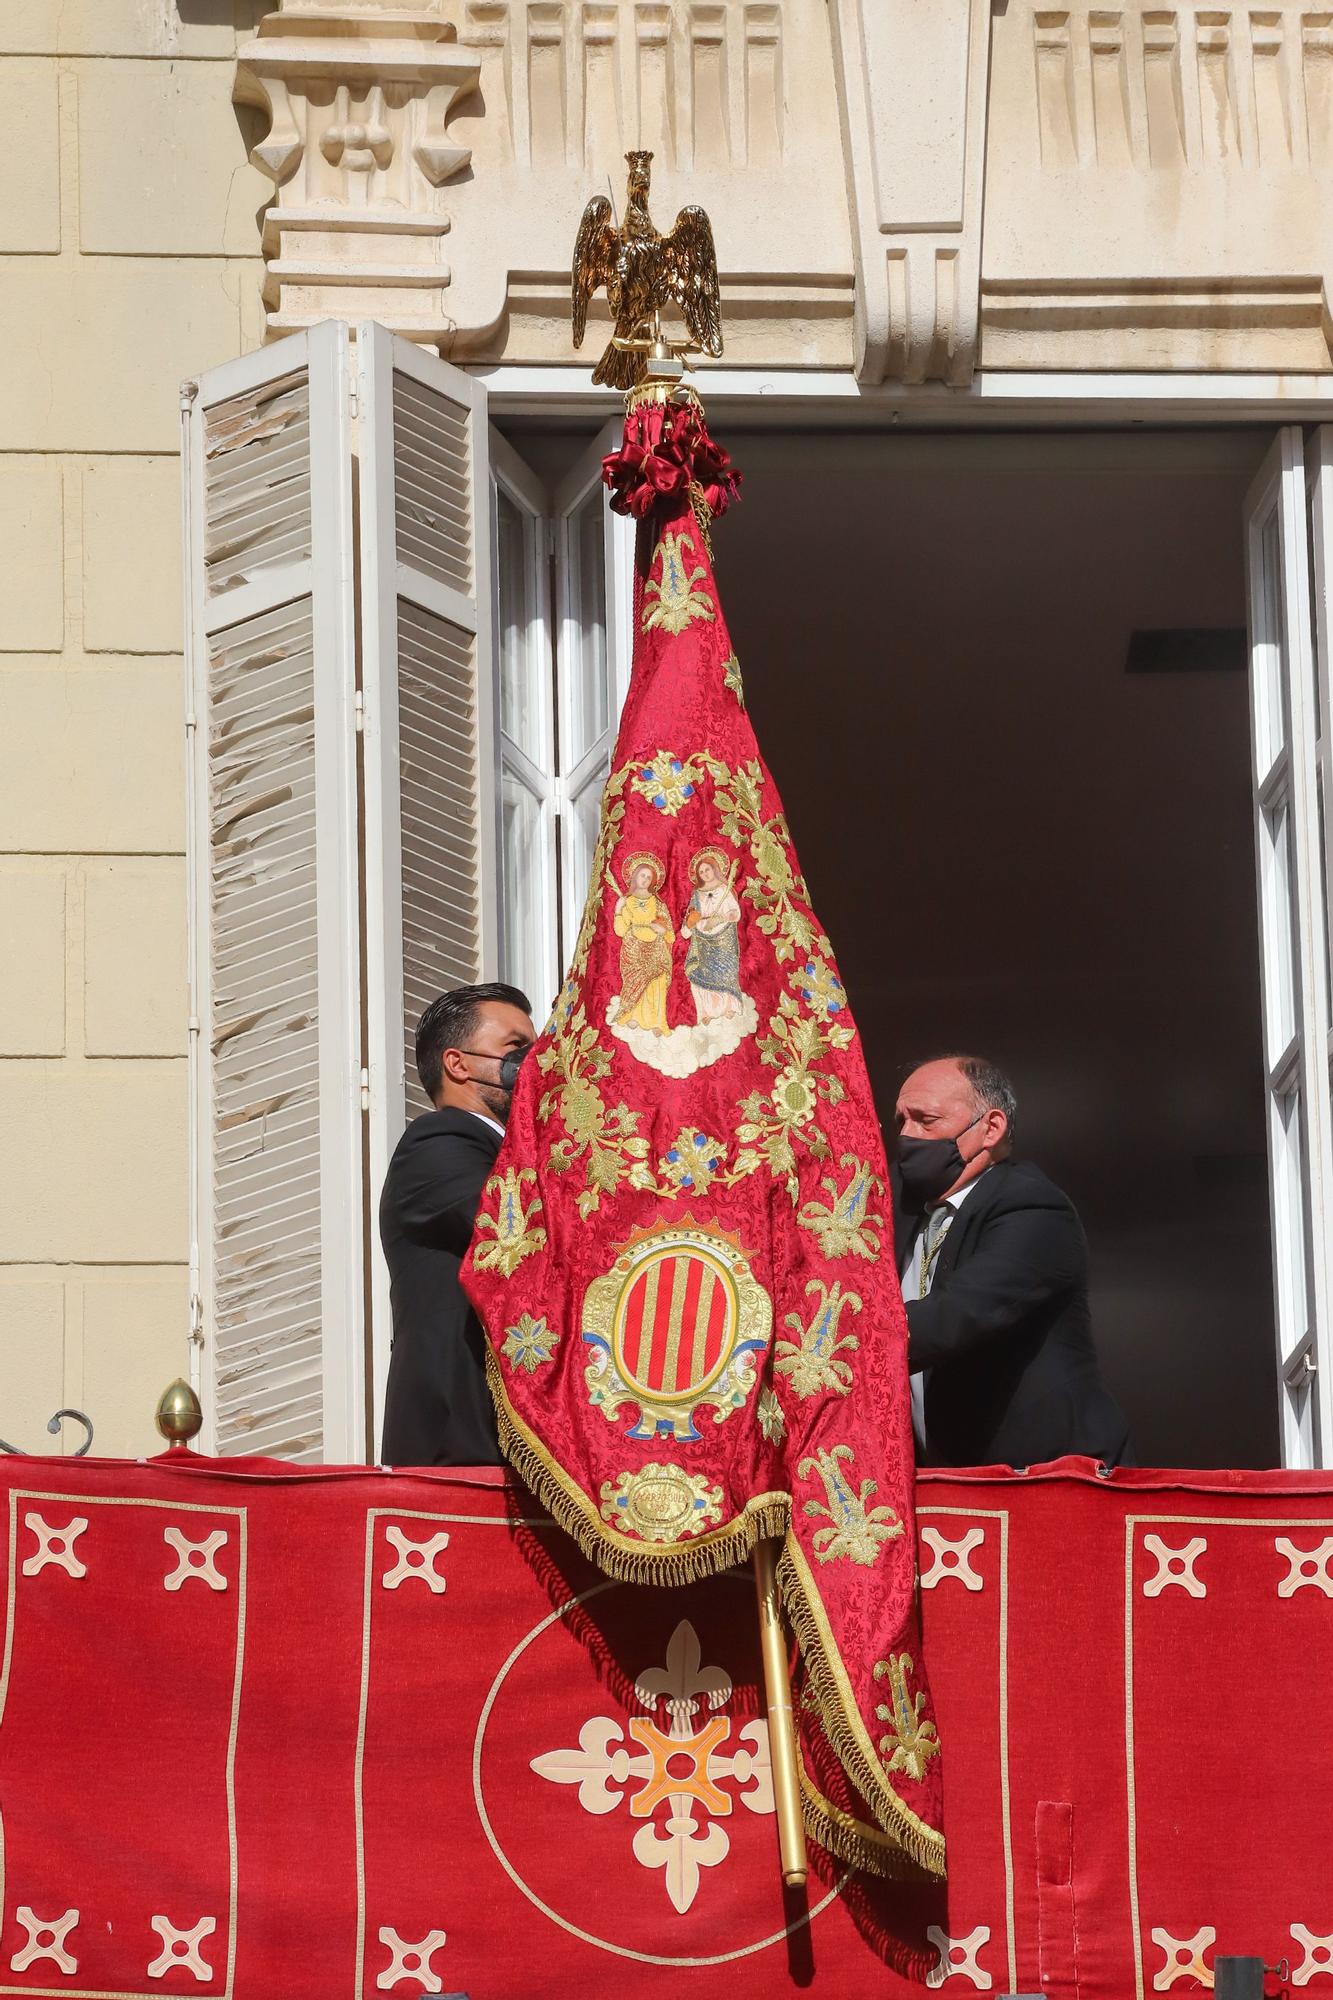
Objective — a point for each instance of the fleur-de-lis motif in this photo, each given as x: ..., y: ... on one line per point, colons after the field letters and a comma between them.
x: 507, y: 1223
x: 683, y: 1679
x: 845, y: 1226
x: 812, y: 1362
x: 910, y: 1743
x: 855, y: 1532
x: 675, y: 600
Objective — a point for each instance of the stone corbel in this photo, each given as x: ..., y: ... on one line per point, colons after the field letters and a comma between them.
x: 912, y: 81
x: 358, y: 97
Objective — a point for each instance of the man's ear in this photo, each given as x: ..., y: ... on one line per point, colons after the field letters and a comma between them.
x: 997, y: 1131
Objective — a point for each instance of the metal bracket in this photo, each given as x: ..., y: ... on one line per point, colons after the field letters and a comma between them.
x: 16, y: 1451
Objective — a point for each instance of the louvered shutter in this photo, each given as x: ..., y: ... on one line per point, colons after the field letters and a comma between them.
x: 276, y: 1168
x: 430, y: 797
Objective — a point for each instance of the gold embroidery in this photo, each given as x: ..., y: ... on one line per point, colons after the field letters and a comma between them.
x: 812, y: 1362
x: 529, y: 1344
x: 677, y: 603
x: 731, y: 677
x: 855, y: 1533
x: 661, y: 1503
x: 607, y: 1135
x: 846, y: 1227
x: 511, y: 1226
x: 667, y: 782
x: 910, y: 1743
x: 678, y: 1321
x: 771, y: 1420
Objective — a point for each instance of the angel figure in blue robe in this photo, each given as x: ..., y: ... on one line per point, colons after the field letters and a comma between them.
x: 712, y: 925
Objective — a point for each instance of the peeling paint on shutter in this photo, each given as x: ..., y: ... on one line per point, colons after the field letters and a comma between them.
x: 429, y: 747
x: 277, y: 1190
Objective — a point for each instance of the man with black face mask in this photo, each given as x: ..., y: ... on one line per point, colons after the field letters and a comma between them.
x: 994, y: 1268
x: 469, y: 1046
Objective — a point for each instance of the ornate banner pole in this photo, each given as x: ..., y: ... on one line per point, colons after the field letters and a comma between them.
x: 643, y: 272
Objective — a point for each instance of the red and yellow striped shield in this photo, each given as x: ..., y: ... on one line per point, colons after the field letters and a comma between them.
x: 671, y: 1325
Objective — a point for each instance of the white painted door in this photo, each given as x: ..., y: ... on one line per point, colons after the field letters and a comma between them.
x: 1289, y: 520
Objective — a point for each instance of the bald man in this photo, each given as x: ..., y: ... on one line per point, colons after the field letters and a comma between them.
x: 994, y: 1267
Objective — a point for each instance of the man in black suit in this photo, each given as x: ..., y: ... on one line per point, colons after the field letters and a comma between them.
x: 994, y: 1266
x: 438, y: 1408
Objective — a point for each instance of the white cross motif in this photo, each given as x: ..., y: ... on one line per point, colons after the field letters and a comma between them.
x: 195, y: 1559
x: 958, y: 1957
x: 673, y: 1769
x: 415, y: 1559
x: 1174, y: 1566
x: 180, y: 1949
x: 47, y: 1936
x: 1318, y: 1958
x: 55, y: 1545
x: 1182, y: 1958
x: 953, y: 1558
x: 411, y: 1961
x: 1308, y: 1568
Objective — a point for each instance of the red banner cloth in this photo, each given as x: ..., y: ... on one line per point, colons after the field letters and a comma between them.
x: 266, y: 1732
x: 684, y: 1260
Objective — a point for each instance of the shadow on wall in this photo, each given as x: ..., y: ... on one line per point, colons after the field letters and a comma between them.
x: 240, y: 14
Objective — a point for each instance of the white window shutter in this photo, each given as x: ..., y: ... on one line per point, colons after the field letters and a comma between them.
x: 427, y: 679
x: 276, y: 1173
x: 1284, y: 713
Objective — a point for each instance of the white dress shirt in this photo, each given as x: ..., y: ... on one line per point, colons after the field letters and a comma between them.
x: 496, y: 1126
x: 912, y: 1289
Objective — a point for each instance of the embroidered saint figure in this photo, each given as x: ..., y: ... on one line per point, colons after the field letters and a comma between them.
x: 712, y: 922
x: 643, y: 925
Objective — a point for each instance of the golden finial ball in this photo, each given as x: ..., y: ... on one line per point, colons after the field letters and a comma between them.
x: 179, y: 1415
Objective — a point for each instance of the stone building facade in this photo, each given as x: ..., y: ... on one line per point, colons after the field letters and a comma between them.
x: 939, y: 214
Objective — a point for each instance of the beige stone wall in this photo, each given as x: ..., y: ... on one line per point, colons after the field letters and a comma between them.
x: 128, y: 259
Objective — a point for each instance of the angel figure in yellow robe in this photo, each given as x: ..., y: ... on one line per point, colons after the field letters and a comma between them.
x: 643, y: 925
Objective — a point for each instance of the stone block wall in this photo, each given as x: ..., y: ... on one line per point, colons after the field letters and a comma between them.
x: 129, y: 259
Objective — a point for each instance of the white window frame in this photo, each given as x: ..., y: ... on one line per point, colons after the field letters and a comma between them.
x: 1293, y: 926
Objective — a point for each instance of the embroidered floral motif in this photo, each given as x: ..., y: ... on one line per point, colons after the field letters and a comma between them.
x: 673, y: 601
x: 529, y: 1344
x: 910, y: 1743
x: 731, y: 677
x: 771, y: 1420
x: 821, y: 989
x: 846, y: 1227
x: 509, y: 1223
x: 693, y: 1163
x: 813, y: 1363
x: 774, y: 1122
x: 855, y: 1533
x: 661, y: 1503
x: 667, y: 783
x: 775, y: 885
x: 606, y: 1136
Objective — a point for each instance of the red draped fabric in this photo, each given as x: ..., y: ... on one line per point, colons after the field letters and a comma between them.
x: 684, y: 1260
x: 266, y: 1732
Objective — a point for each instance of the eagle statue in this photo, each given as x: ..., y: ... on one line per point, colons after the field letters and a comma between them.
x: 645, y: 274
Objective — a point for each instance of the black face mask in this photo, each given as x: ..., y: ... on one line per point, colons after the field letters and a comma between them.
x: 928, y: 1166
x: 510, y: 1065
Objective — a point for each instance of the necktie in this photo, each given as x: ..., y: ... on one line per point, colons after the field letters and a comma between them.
x: 937, y: 1228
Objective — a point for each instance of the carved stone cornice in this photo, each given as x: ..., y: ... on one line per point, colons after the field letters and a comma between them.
x: 912, y: 83
x: 358, y: 99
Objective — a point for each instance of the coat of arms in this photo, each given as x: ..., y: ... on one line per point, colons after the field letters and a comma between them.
x: 676, y: 1323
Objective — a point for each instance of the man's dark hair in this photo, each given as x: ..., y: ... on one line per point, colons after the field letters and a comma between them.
x: 450, y: 1023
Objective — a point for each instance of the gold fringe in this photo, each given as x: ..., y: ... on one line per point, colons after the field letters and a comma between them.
x: 766, y: 1517
x: 880, y: 1850
x: 922, y: 1844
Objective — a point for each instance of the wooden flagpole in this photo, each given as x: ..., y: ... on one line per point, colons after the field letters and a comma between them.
x: 781, y: 1722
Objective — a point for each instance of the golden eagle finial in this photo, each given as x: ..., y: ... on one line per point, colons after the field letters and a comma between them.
x: 645, y: 274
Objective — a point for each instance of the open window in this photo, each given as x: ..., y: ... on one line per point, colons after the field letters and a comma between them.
x: 1289, y: 521
x: 563, y: 594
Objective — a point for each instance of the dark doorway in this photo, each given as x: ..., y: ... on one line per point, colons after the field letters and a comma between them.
x: 1030, y: 836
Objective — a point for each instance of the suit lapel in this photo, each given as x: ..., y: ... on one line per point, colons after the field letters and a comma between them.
x: 969, y: 1218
